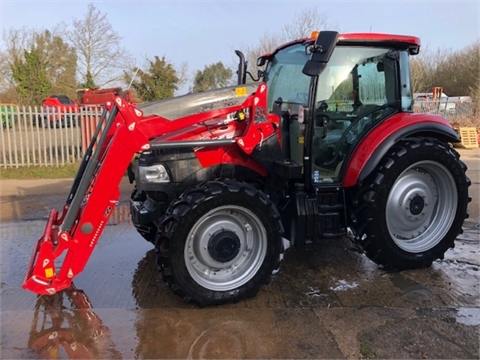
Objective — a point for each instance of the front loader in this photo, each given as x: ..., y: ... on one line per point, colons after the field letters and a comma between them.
x: 324, y: 145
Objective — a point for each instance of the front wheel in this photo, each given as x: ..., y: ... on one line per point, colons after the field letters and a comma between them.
x: 412, y: 207
x: 220, y: 243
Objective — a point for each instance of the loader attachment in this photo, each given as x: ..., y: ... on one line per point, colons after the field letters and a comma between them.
x: 70, y: 236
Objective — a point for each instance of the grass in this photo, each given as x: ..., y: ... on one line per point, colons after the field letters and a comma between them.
x: 40, y: 172
x: 366, y: 349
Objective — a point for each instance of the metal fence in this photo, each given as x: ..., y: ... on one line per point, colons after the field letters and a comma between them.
x: 31, y: 137
x: 451, y: 109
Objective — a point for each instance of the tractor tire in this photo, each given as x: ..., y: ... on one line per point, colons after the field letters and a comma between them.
x: 219, y: 243
x: 412, y: 207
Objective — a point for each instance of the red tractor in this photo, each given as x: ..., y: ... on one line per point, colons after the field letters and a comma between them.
x: 325, y: 145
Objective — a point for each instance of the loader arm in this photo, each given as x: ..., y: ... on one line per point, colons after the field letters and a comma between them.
x: 69, y: 238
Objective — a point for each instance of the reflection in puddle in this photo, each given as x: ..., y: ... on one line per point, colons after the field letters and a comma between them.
x: 72, y: 331
x: 194, y: 335
x: 121, y: 214
x: 413, y: 291
x: 218, y: 343
x: 65, y: 326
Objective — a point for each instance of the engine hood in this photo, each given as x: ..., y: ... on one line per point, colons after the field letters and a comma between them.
x: 190, y: 104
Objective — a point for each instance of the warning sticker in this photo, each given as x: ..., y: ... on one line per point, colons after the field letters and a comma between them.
x: 49, y: 272
x: 241, y: 91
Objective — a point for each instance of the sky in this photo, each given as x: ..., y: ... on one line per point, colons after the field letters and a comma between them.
x: 201, y: 33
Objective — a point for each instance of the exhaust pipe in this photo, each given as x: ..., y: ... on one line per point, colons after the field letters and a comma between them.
x: 242, y: 68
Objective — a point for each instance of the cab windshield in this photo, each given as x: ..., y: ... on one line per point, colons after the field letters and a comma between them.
x: 285, y: 79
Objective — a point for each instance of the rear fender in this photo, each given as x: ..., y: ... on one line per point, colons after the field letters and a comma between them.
x: 375, y: 145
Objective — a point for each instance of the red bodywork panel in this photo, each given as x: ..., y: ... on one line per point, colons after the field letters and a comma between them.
x: 129, y: 134
x: 102, y: 96
x: 211, y: 156
x: 378, y: 135
x: 372, y: 37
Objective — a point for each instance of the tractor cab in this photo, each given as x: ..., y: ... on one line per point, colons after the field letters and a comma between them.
x: 325, y: 117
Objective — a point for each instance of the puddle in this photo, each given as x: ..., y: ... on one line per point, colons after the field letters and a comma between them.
x: 468, y: 316
x: 131, y: 313
x: 67, y: 326
x: 412, y: 290
x: 121, y: 214
x: 471, y: 232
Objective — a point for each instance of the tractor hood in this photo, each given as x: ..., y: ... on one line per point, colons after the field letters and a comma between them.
x: 190, y: 104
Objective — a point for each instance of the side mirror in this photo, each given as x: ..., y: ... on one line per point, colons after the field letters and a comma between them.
x: 261, y: 61
x: 323, y: 106
x: 321, y: 52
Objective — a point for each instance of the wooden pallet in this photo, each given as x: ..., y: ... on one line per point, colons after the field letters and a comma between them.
x: 468, y: 137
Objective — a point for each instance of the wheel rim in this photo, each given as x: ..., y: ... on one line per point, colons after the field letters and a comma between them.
x: 225, y: 248
x: 421, y: 206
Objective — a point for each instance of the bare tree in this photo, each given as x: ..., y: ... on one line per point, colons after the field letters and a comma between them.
x: 301, y: 26
x: 421, y: 71
x: 304, y: 23
x: 15, y: 41
x: 182, y: 73
x: 101, y: 58
x: 458, y: 72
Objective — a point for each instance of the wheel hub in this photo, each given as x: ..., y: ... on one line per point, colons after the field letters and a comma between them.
x: 421, y: 206
x: 416, y: 205
x: 224, y: 246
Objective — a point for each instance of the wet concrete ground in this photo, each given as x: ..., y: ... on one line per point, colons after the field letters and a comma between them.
x: 327, y: 303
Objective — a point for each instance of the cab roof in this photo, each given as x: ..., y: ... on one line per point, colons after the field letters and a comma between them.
x: 412, y: 43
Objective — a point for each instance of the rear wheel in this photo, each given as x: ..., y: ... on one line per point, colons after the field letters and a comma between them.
x: 412, y: 207
x: 220, y: 243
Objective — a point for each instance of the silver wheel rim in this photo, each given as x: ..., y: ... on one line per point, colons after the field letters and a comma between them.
x: 250, y: 235
x: 421, y: 206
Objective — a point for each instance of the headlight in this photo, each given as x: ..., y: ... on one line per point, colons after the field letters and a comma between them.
x: 154, y: 174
